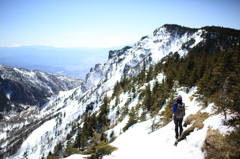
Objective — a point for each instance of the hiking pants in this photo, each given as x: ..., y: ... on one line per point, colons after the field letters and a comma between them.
x: 178, y: 124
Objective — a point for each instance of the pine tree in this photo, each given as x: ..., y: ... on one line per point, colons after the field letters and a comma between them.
x: 102, y: 119
x: 70, y: 150
x: 81, y: 140
x: 148, y: 100
x: 167, y: 113
x: 132, y: 119
x: 51, y: 156
x: 25, y: 155
x: 98, y: 148
x: 225, y: 75
x: 150, y: 74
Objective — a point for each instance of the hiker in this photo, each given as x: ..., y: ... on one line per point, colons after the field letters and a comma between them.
x: 179, y: 111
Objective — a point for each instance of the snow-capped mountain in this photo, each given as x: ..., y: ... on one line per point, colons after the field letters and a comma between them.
x: 30, y: 87
x: 150, y: 49
x: 39, y: 79
x: 114, y: 100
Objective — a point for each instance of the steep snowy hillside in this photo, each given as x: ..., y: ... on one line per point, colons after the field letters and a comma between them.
x: 127, y: 101
x: 24, y: 87
x: 150, y: 49
x: 138, y: 142
x: 41, y: 80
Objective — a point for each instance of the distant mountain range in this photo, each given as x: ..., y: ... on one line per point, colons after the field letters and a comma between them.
x: 73, y: 62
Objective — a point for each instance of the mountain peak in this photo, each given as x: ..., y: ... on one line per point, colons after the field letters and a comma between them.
x: 175, y: 28
x: 113, y: 53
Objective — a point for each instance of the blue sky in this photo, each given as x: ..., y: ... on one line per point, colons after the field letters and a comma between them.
x: 105, y: 23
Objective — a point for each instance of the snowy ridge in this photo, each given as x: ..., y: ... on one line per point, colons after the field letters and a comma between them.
x: 137, y: 142
x: 151, y: 49
x: 20, y: 87
x: 39, y: 79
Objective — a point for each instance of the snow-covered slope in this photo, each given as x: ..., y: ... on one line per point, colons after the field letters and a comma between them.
x: 65, y: 111
x: 24, y: 88
x: 136, y: 142
x: 39, y: 79
x: 151, y: 49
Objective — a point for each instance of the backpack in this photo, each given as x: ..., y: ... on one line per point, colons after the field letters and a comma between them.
x: 180, y: 113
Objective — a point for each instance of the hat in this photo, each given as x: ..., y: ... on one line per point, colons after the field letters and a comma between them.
x: 179, y: 97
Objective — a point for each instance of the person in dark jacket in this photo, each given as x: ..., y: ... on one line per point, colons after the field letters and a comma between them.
x: 178, y: 117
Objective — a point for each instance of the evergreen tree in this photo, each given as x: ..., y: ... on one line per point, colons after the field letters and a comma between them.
x: 52, y: 156
x: 98, y: 148
x: 57, y: 148
x: 102, y: 119
x: 81, y: 140
x: 148, y: 99
x: 70, y: 150
x: 149, y: 74
x: 25, y: 155
x: 166, y: 115
x: 132, y: 119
